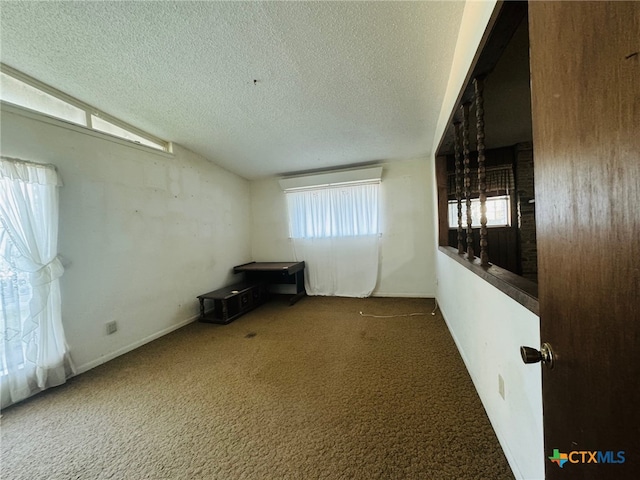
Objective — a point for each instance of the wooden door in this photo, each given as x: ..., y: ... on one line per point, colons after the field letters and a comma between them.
x: 585, y: 77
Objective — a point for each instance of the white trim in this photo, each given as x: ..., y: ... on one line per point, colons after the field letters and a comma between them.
x: 331, y: 179
x: 104, y: 359
x: 58, y: 122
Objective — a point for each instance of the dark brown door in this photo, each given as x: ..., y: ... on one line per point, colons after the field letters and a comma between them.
x: 585, y: 77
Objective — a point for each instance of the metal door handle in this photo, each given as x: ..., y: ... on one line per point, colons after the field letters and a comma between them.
x: 544, y: 355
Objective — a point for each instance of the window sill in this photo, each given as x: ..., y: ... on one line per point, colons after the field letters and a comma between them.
x: 523, y: 291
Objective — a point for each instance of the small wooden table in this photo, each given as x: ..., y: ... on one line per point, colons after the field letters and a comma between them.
x: 276, y: 272
x: 232, y: 301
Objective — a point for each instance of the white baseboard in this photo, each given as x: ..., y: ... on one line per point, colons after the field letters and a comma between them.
x: 133, y: 346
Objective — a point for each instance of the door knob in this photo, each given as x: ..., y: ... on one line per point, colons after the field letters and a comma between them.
x: 544, y: 355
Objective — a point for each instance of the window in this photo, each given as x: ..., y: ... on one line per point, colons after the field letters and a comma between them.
x: 19, y: 93
x: 334, y: 229
x: 498, y: 212
x: 107, y: 127
x: 341, y: 211
x: 33, y: 351
x: 15, y: 295
x: 24, y: 91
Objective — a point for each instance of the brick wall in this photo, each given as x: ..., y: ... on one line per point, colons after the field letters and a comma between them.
x: 525, y: 193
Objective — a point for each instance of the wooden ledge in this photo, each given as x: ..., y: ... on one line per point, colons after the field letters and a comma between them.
x: 523, y: 291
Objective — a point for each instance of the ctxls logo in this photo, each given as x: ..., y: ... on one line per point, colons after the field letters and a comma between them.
x: 585, y: 456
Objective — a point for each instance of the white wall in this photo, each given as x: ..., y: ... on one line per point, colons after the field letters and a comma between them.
x: 407, y: 258
x: 142, y: 233
x: 407, y: 244
x: 488, y: 326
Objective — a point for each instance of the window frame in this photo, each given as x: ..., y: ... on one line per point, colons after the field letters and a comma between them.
x: 476, y: 224
x: 156, y: 142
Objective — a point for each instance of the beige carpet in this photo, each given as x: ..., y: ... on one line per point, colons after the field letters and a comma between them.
x: 313, y: 391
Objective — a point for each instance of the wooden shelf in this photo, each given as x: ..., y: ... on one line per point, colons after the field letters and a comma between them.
x: 231, y: 302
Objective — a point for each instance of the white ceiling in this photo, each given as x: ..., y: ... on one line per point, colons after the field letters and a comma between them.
x: 337, y: 83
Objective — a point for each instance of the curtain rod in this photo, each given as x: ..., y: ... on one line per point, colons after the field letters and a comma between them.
x: 324, y: 186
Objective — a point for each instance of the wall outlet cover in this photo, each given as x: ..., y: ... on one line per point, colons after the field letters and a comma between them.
x: 112, y: 327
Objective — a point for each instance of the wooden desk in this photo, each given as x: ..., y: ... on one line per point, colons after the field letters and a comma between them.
x: 276, y: 272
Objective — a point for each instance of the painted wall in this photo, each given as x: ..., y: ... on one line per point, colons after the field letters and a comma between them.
x: 488, y: 326
x: 142, y: 233
x: 407, y: 248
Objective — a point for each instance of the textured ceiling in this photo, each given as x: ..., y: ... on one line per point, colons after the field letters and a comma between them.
x: 336, y: 83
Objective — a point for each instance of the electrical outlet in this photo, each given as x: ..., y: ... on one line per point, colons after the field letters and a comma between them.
x: 112, y: 327
x: 501, y: 386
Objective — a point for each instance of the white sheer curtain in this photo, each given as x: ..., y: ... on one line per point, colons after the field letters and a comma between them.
x: 33, y: 351
x: 335, y: 231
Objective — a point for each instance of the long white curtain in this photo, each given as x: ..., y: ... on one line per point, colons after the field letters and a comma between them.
x: 33, y: 350
x: 335, y: 231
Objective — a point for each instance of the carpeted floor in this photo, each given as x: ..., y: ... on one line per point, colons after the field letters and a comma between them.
x: 312, y: 391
